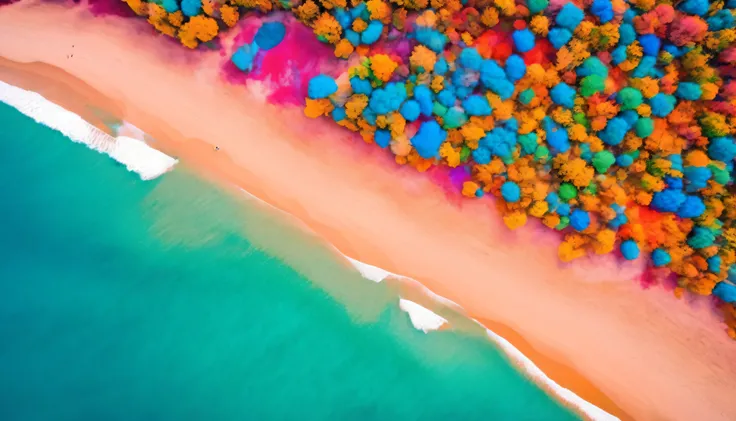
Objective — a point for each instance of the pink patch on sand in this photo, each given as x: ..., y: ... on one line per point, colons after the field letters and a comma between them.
x: 287, y: 68
x: 110, y: 7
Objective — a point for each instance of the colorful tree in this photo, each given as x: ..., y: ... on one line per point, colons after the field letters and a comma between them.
x: 327, y: 28
x: 229, y: 15
x: 198, y: 29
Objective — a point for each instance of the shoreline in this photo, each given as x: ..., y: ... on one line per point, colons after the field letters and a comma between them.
x: 501, y: 335
x: 421, y: 317
x: 546, y: 364
x: 466, y: 282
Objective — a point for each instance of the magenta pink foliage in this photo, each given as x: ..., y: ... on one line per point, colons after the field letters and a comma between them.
x: 723, y: 108
x: 665, y: 13
x: 288, y: 67
x: 110, y: 8
x: 728, y: 55
x: 729, y: 89
x: 686, y: 29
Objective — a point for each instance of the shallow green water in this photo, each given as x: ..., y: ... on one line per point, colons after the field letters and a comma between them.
x: 170, y: 300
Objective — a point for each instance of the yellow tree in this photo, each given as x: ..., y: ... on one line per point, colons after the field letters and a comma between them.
x: 176, y: 18
x: 208, y: 7
x: 307, y: 12
x: 199, y: 29
x: 138, y: 6
x: 157, y: 18
x: 229, y: 15
x: 263, y: 6
x: 327, y: 28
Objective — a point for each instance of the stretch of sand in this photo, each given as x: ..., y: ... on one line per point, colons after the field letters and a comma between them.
x: 637, y: 354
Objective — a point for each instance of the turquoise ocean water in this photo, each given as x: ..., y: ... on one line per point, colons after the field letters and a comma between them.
x: 123, y: 299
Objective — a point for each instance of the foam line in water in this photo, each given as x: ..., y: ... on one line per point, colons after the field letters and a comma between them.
x: 568, y: 395
x: 140, y: 158
x: 150, y: 163
x: 370, y: 272
x: 135, y: 154
x: 422, y: 318
x: 376, y: 274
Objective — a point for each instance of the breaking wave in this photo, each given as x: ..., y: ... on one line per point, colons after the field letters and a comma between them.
x: 134, y: 154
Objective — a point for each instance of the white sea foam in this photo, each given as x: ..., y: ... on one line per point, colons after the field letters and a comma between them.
x: 126, y: 128
x: 426, y: 320
x: 150, y: 163
x: 422, y: 318
x: 370, y: 272
x: 567, y: 395
x: 376, y: 274
x: 135, y: 154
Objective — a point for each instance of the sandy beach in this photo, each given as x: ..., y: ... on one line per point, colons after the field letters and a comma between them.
x: 638, y: 354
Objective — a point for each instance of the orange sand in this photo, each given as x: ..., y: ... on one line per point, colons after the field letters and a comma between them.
x: 637, y: 354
